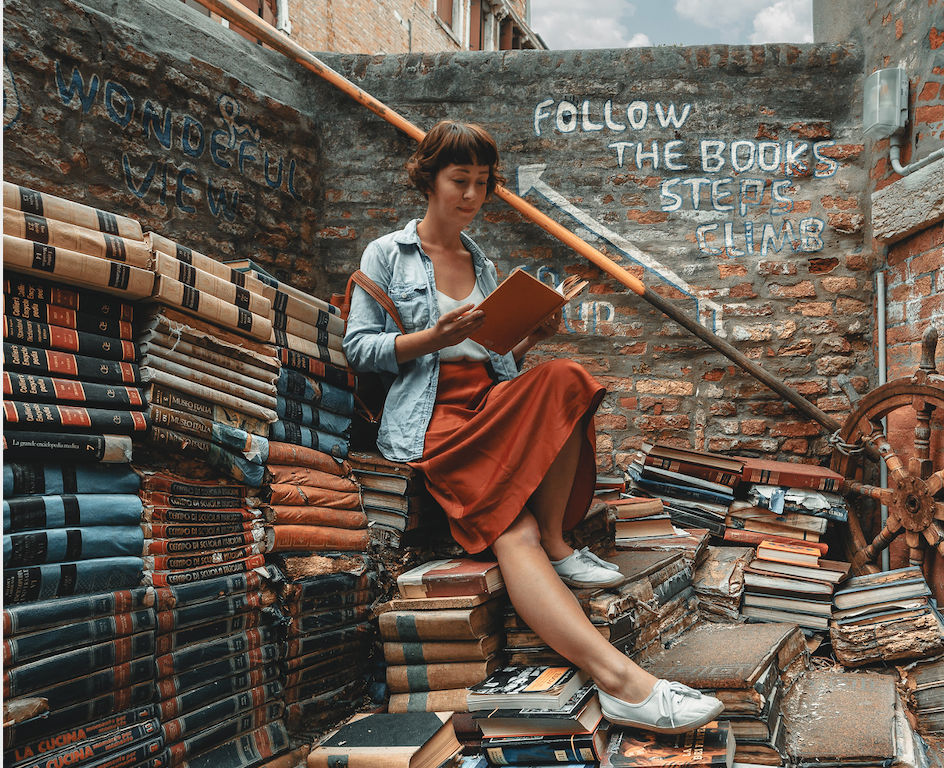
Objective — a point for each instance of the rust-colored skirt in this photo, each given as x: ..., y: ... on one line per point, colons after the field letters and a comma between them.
x: 488, y: 446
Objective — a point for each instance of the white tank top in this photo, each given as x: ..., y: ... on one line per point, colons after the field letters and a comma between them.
x: 468, y: 349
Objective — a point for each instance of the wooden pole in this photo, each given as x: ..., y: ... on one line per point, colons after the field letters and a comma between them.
x: 237, y: 14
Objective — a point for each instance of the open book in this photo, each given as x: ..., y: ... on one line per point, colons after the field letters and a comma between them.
x: 518, y: 306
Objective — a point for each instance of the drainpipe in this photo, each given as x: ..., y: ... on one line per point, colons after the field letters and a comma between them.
x: 882, y: 379
x: 894, y: 154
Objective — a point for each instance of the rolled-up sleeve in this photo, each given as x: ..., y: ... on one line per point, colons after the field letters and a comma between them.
x: 369, y: 342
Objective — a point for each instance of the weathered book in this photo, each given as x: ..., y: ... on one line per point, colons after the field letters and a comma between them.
x: 195, y: 331
x: 305, y: 495
x: 312, y: 416
x: 253, y: 587
x: 239, y: 684
x: 215, y: 649
x: 167, y: 689
x: 196, y: 530
x: 26, y: 386
x: 325, y: 709
x: 388, y: 740
x: 61, y: 234
x: 307, y: 476
x: 707, y: 746
x: 232, y: 464
x: 46, y: 262
x: 197, y: 744
x: 207, y: 283
x: 314, y: 366
x: 742, y: 514
x: 299, y: 456
x: 173, y: 399
x: 412, y: 505
x: 60, y: 545
x: 281, y: 514
x: 202, y: 544
x: 897, y: 584
x: 252, y: 448
x: 329, y: 397
x: 92, y: 303
x: 209, y: 308
x: 23, y: 619
x: 661, y: 487
x: 246, y: 750
x: 175, y: 619
x: 403, y: 678
x: 566, y: 751
x: 272, y: 286
x: 196, y: 562
x: 310, y: 347
x: 199, y: 502
x: 579, y: 714
x: 191, y: 514
x: 445, y: 651
x: 19, y: 357
x: 289, y: 432
x: 796, y: 554
x: 58, y: 668
x: 138, y: 675
x: 159, y: 244
x: 762, y: 582
x: 63, y: 317
x: 832, y: 506
x: 644, y: 572
x: 174, y: 578
x: 285, y: 327
x: 526, y: 688
x: 168, y: 482
x: 229, y: 367
x: 630, y: 507
x: 399, y: 484
x: 129, y: 746
x: 315, y: 538
x: 692, y: 469
x: 35, y: 645
x: 68, y: 447
x: 828, y: 570
x: 755, y: 537
x: 45, y: 336
x: 292, y: 308
x: 85, y: 509
x: 791, y: 474
x: 21, y: 198
x: 185, y: 679
x: 452, y: 700
x: 660, y: 450
x: 719, y: 581
x: 160, y: 372
x: 227, y: 708
x: 644, y: 527
x: 41, y: 582
x: 38, y: 478
x: 252, y: 620
x: 445, y: 624
x: 48, y: 416
x: 902, y: 634
x: 373, y: 461
x: 783, y: 603
x: 450, y: 578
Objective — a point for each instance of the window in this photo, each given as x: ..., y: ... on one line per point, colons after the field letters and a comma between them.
x: 267, y: 10
x: 476, y: 25
x: 444, y: 11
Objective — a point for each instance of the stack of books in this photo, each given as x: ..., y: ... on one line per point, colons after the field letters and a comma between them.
x: 312, y: 503
x: 330, y: 639
x: 885, y: 616
x: 791, y: 582
x: 395, y: 498
x: 219, y: 668
x: 711, y: 745
x: 444, y: 633
x: 197, y: 529
x: 696, y: 487
x: 211, y: 395
x: 641, y: 517
x: 719, y: 582
x: 539, y: 715
x: 748, y: 667
x: 90, y: 658
x: 924, y: 683
x: 654, y: 605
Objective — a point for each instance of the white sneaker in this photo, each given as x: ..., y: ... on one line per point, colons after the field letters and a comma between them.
x: 670, y: 708
x: 585, y: 569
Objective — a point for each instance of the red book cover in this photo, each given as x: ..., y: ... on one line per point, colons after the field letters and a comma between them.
x: 791, y: 475
x: 451, y: 578
x: 753, y: 537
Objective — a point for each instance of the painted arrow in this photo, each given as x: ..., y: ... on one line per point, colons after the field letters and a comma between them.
x: 529, y: 178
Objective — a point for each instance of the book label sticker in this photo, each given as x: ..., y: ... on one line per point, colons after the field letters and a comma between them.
x: 281, y: 339
x: 237, y: 278
x: 245, y: 320
x: 191, y: 299
x: 281, y: 301
x: 37, y: 228
x: 120, y: 275
x: 184, y: 254
x: 30, y: 201
x: 242, y: 297
x: 186, y: 273
x: 115, y: 247
x: 44, y: 257
x: 107, y: 222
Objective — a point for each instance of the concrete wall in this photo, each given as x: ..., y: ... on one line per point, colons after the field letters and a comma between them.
x: 738, y: 171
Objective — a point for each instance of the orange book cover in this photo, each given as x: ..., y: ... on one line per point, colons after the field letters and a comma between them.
x: 788, y: 553
x: 451, y: 578
x: 518, y: 306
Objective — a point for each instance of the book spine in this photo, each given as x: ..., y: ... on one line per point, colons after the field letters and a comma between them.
x: 167, y: 397
x: 213, y: 650
x: 34, y: 360
x: 233, y: 465
x: 43, y: 416
x: 333, y: 582
x: 313, y: 538
x: 329, y: 397
x: 248, y: 750
x: 47, y: 262
x: 23, y: 619
x: 63, y: 317
x: 233, y: 438
x: 60, y: 545
x: 429, y: 701
x: 304, y: 495
x: 88, y: 302
x: 161, y: 378
x: 327, y: 681
x: 324, y: 620
x: 578, y: 749
x: 201, y: 544
x: 171, y: 578
x: 314, y: 367
x: 232, y: 373
x: 176, y: 618
x: 211, y: 308
x: 129, y: 675
x: 282, y: 323
x: 414, y: 626
x: 437, y: 676
x: 313, y: 312
x: 111, y: 751
x: 351, y: 519
x: 159, y: 244
x: 182, y: 698
x: 238, y: 503
x: 48, y: 389
x: 70, y: 510
x: 163, y: 483
x: 315, y: 478
x: 207, y: 381
x: 755, y: 537
x: 189, y: 516
x: 261, y: 370
x: 68, y: 447
x: 192, y: 530
x: 200, y: 633
x: 61, y: 668
x: 299, y: 456
x: 194, y: 562
x: 67, y: 340
x: 312, y: 416
x: 42, y: 582
x: 60, y: 234
x: 792, y: 479
x: 198, y: 698
x: 204, y: 281
x: 224, y: 709
x: 39, y: 478
x: 232, y: 665
x: 52, y: 641
x: 27, y: 200
x: 730, y: 479
x: 309, y: 347
x: 425, y: 653
x: 313, y: 644
x: 288, y: 432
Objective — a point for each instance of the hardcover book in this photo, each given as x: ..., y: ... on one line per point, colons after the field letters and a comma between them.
x: 28, y: 359
x: 21, y: 198
x: 711, y: 745
x: 898, y: 584
x: 692, y: 456
x: 450, y: 578
x: 580, y: 714
x: 547, y: 751
x: 526, y: 688
x: 796, y: 554
x: 790, y: 474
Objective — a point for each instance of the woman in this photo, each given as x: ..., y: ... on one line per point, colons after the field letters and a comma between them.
x: 510, y: 458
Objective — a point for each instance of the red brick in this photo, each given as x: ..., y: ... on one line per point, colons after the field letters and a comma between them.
x: 936, y: 38
x: 610, y: 421
x: 839, y: 203
x: 647, y: 217
x: 899, y: 28
x: 795, y: 445
x: 753, y: 427
x: 634, y: 349
x: 857, y: 262
x: 847, y: 306
x: 933, y: 306
x: 813, y: 308
x: 802, y: 347
x: 803, y: 289
x: 629, y: 403
x: 722, y: 408
x: 776, y: 268
x: 929, y: 114
x: 714, y: 375
x: 839, y: 284
x: 795, y: 429
x: 656, y: 423
x: 716, y: 445
x: 731, y: 269
x: 930, y: 91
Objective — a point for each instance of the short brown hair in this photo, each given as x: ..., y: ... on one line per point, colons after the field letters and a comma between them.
x: 451, y: 142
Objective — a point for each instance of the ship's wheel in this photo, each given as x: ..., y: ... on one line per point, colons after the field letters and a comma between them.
x: 915, y: 493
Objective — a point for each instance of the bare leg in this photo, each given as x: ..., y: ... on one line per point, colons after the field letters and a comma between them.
x: 550, y: 609
x: 549, y: 500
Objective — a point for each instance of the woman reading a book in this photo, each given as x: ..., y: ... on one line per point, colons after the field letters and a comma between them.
x: 511, y: 458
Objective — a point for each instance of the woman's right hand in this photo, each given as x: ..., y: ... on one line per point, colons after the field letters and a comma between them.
x: 450, y: 329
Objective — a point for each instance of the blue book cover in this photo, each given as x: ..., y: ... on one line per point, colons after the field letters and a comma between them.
x: 24, y: 513
x: 27, y: 478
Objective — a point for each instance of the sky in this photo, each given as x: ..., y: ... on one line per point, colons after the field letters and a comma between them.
x: 582, y: 24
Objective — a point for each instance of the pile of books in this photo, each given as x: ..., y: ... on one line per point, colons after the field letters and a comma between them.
x: 312, y: 503
x: 539, y: 715
x: 641, y: 517
x: 719, y: 582
x: 711, y: 745
x: 654, y: 605
x: 924, y: 684
x: 395, y: 498
x: 197, y: 529
x: 748, y: 667
x: 330, y: 638
x: 791, y: 582
x: 444, y: 633
x: 885, y: 616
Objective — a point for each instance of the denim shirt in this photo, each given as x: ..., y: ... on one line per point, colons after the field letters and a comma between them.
x: 397, y: 264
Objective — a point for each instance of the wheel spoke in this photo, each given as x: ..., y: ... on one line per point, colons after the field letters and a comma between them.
x: 920, y: 463
x: 887, y: 536
x: 936, y: 482
x: 939, y: 510
x: 878, y: 441
x: 933, y: 534
x: 883, y: 495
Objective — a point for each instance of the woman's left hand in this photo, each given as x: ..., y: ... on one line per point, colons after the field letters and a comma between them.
x: 549, y: 327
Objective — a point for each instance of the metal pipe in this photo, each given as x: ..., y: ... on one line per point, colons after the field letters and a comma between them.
x: 882, y: 378
x: 237, y: 14
x: 894, y: 155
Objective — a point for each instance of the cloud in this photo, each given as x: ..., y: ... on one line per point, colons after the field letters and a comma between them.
x: 724, y: 15
x: 784, y: 21
x: 583, y: 24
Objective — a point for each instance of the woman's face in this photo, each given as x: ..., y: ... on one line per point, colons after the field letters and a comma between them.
x: 458, y: 192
